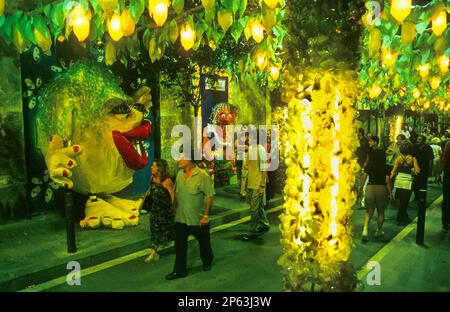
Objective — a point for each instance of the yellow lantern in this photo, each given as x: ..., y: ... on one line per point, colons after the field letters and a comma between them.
x: 260, y: 59
x: 187, y: 37
x: 400, y: 9
x: 413, y: 108
x: 115, y: 27
x: 271, y: 3
x: 2, y: 7
x: 274, y: 72
x: 443, y: 64
x: 416, y: 93
x: 79, y: 20
x: 375, y: 91
x: 424, y: 70
x: 128, y: 24
x: 388, y: 57
x: 108, y: 5
x: 159, y: 11
x: 426, y: 105
x: 402, y: 91
x: 439, y: 23
x: 208, y: 4
x: 257, y: 31
x: 435, y: 82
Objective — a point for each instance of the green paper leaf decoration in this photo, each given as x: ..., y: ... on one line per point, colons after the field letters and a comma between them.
x: 178, y: 6
x: 173, y: 31
x: 137, y: 8
x: 235, y: 5
x: 242, y: 7
x: 421, y: 27
x: 236, y: 31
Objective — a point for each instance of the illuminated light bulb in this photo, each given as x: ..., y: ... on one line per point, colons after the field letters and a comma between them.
x: 400, y: 9
x: 79, y: 20
x: 128, y: 24
x: 426, y: 105
x: 271, y: 3
x: 435, y: 82
x: 443, y: 64
x: 375, y: 91
x: 115, y: 27
x: 257, y: 31
x: 159, y: 13
x: 274, y: 72
x: 187, y: 37
x: 439, y: 23
x: 416, y: 93
x: 260, y: 60
x: 424, y: 70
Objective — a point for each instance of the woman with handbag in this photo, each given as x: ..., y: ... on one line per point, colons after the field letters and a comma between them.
x: 404, y: 167
x: 158, y: 202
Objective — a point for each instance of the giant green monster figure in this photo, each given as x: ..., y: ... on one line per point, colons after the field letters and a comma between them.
x: 91, y: 134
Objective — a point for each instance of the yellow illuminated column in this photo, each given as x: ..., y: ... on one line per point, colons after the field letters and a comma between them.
x: 318, y: 196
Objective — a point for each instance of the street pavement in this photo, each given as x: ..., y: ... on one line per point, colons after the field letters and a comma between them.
x: 252, y: 266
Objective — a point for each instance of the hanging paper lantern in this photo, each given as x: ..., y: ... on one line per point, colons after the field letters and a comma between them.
x: 257, y: 31
x: 159, y: 11
x: 374, y: 41
x: 416, y: 93
x: 424, y: 70
x: 439, y: 23
x: 413, y: 108
x: 260, y: 59
x: 400, y: 9
x: 115, y: 27
x: 274, y: 72
x: 402, y: 91
x: 388, y: 57
x: 128, y: 24
x: 443, y: 64
x: 110, y: 53
x: 408, y: 32
x: 375, y: 91
x: 435, y: 82
x: 271, y: 3
x: 225, y: 19
x: 80, y: 22
x: 426, y: 105
x: 187, y: 37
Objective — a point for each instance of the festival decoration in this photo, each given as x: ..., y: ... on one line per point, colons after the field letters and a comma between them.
x: 102, y: 150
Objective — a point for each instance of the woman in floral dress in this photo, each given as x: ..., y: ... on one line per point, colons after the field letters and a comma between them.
x: 159, y: 205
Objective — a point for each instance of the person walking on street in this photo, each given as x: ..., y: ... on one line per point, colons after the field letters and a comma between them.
x: 445, y: 168
x: 192, y: 204
x: 256, y: 187
x: 424, y: 155
x: 378, y: 191
x: 158, y: 201
x: 404, y: 167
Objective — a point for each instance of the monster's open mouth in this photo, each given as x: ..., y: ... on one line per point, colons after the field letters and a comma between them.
x: 130, y: 147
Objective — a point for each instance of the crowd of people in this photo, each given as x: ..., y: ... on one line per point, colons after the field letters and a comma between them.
x: 405, y: 167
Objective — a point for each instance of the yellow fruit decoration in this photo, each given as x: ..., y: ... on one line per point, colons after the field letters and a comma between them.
x: 274, y: 72
x: 439, y: 23
x: 260, y: 59
x: 271, y: 3
x: 44, y: 43
x: 108, y: 5
x: 110, y: 53
x: 115, y: 27
x: 257, y: 31
x: 187, y: 37
x: 208, y: 4
x: 225, y: 19
x: 435, y: 82
x: 400, y: 9
x: 159, y: 10
x: 80, y: 22
x: 443, y: 62
x: 424, y: 70
x: 2, y: 7
x: 374, y: 41
x: 408, y: 32
x: 128, y: 24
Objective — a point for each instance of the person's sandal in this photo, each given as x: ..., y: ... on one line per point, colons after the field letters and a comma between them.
x: 154, y: 256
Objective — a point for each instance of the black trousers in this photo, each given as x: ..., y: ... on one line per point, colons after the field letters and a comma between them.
x: 201, y: 234
x: 420, y: 183
x: 446, y: 201
x: 404, y: 196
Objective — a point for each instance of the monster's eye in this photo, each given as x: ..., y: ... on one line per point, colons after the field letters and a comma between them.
x: 141, y: 108
x: 121, y: 109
